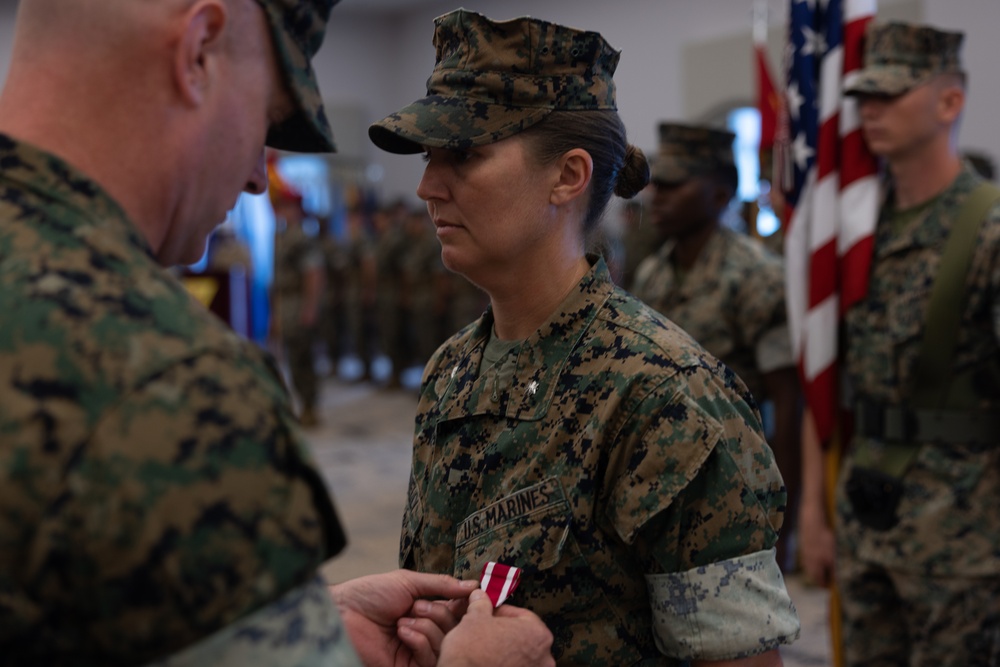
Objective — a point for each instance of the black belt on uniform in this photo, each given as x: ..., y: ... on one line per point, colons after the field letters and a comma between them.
x: 903, y: 424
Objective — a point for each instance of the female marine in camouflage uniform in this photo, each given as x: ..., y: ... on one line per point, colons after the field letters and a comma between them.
x: 571, y: 431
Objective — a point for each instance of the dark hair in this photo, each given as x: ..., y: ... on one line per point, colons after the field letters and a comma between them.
x: 619, y: 167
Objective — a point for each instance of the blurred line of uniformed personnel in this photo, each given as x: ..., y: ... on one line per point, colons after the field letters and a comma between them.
x: 379, y: 288
x: 296, y: 293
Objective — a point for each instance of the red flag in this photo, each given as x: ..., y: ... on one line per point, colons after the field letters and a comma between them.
x: 768, y: 101
x: 833, y: 201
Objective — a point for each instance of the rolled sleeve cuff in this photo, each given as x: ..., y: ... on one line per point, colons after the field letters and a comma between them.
x: 774, y: 350
x: 724, y: 611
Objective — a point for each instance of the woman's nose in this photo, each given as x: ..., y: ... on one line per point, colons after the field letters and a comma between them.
x: 431, y: 183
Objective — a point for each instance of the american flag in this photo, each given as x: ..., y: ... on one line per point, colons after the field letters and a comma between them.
x: 832, y: 196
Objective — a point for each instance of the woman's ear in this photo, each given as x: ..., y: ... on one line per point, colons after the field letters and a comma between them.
x: 576, y: 168
x: 200, y: 41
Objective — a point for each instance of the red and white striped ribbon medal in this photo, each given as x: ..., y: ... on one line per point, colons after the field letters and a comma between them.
x: 499, y: 581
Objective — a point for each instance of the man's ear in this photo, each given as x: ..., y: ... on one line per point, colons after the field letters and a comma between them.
x: 200, y: 41
x: 576, y: 168
x: 950, y: 103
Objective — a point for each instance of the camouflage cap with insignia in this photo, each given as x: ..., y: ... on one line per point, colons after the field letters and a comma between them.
x: 900, y: 56
x: 493, y: 79
x: 690, y: 150
x: 297, y: 30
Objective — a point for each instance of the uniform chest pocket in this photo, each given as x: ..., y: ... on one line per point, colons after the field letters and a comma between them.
x: 534, y: 529
x: 529, y: 529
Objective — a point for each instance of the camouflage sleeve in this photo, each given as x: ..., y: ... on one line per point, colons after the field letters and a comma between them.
x: 664, y: 451
x: 714, y: 585
x: 194, y: 503
x: 701, y: 504
x: 760, y: 306
x: 301, y: 629
x: 718, y: 516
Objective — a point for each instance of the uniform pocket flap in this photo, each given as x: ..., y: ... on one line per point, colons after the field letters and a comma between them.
x: 527, y: 529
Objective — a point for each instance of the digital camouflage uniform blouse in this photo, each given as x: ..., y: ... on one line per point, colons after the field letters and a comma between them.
x: 732, y: 302
x: 949, y: 514
x: 154, y: 487
x: 622, y: 468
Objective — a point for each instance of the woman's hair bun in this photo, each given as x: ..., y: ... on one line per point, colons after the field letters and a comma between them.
x: 634, y: 174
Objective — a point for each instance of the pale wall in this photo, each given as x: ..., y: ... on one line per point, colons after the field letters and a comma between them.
x: 370, y: 65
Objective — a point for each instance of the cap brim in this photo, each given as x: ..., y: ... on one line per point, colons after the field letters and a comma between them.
x: 303, y: 133
x: 889, y: 80
x: 456, y: 123
x: 307, y: 130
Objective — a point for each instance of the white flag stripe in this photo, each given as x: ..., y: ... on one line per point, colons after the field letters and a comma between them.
x: 859, y: 202
x: 849, y: 119
x: 821, y: 337
x: 797, y: 265
x: 825, y: 212
x: 859, y: 9
x: 829, y: 84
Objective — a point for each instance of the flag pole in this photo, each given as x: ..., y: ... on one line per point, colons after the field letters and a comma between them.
x: 832, y: 456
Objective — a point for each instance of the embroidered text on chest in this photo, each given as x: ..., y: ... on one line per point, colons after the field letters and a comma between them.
x: 517, y: 505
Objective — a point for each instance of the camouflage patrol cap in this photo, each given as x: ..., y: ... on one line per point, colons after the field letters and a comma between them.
x: 901, y: 56
x: 689, y: 150
x: 493, y: 79
x: 297, y: 30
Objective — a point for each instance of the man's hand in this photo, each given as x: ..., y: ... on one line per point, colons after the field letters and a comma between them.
x: 390, y: 620
x: 506, y: 637
x: 816, y: 545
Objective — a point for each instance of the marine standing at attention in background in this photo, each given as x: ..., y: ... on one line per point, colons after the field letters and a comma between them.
x: 917, y: 521
x: 722, y: 286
